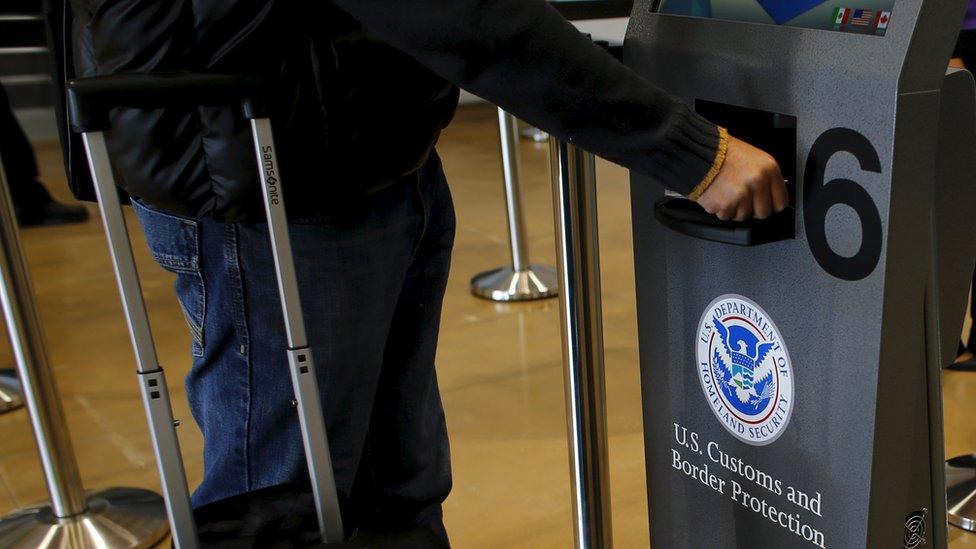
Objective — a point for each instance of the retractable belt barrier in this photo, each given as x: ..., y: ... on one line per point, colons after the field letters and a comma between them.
x: 90, y: 100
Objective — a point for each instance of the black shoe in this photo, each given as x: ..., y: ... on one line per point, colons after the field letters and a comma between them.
x: 965, y: 362
x: 55, y: 213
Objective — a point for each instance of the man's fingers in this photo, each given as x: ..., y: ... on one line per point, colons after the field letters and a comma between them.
x: 749, y: 185
x: 762, y: 203
x: 706, y: 204
x: 725, y: 213
x: 743, y: 211
x: 781, y: 198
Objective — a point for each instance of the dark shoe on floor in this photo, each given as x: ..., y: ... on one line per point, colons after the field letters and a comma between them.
x: 55, y: 213
x: 966, y: 362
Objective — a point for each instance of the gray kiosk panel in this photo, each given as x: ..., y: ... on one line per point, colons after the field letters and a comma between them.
x: 787, y: 386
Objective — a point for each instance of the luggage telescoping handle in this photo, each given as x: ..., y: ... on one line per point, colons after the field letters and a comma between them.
x: 90, y: 101
x: 300, y: 362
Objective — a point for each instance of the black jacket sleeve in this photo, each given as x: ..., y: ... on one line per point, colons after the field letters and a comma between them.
x: 525, y: 57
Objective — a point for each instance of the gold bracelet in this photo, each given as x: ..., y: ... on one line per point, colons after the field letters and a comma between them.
x: 723, y: 150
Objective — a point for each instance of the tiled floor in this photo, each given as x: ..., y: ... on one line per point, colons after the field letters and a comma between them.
x: 499, y: 365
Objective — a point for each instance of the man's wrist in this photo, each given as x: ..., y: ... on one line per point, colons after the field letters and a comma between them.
x: 720, y: 154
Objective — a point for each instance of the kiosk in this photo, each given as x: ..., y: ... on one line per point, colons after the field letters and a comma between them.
x: 791, y: 367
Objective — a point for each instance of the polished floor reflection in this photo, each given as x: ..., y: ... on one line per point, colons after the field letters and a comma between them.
x: 499, y: 365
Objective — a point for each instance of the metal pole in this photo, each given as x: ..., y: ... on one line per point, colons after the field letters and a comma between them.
x: 522, y: 281
x: 58, y: 524
x: 41, y: 393
x: 11, y: 397
x: 581, y: 321
x: 511, y: 168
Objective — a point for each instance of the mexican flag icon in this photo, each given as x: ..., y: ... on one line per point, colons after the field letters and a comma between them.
x: 841, y: 16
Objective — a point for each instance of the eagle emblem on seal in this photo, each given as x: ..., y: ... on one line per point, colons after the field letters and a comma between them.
x: 741, y: 367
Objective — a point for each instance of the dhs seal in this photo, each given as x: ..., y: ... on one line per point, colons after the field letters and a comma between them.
x: 745, y: 370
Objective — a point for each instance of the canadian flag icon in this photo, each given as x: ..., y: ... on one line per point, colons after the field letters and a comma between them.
x: 882, y: 19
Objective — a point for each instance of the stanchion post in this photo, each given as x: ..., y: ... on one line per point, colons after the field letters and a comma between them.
x: 581, y: 321
x: 522, y: 281
x: 118, y: 517
x: 43, y: 404
x: 512, y: 169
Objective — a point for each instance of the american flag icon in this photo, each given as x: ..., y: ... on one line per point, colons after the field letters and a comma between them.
x: 862, y: 18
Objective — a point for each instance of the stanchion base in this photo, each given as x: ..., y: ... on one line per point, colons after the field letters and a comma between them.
x: 961, y: 491
x: 10, y: 396
x: 116, y: 518
x: 505, y: 284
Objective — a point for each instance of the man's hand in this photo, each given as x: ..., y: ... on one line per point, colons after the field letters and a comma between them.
x: 749, y: 185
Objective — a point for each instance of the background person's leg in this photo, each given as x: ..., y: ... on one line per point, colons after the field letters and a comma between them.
x: 18, y: 159
x: 33, y: 203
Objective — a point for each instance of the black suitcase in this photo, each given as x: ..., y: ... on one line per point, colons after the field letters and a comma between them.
x: 283, y: 517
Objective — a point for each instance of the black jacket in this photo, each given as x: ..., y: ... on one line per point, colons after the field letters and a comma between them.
x: 356, y: 109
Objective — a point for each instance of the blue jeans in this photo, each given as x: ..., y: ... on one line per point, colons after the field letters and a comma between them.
x: 372, y: 279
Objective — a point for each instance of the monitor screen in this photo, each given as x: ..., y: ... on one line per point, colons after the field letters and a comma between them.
x: 970, y: 22
x: 858, y: 16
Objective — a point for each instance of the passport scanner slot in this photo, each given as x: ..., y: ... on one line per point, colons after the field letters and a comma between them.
x: 772, y: 132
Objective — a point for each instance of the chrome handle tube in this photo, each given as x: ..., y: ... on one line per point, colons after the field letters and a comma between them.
x: 581, y: 322
x: 300, y: 363
x: 152, y: 382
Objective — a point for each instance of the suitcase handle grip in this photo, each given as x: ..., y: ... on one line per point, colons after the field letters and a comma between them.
x: 90, y: 100
x: 688, y: 218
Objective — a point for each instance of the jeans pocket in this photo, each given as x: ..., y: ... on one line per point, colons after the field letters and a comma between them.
x: 174, y: 243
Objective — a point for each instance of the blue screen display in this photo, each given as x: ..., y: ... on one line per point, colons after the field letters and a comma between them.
x: 970, y: 22
x: 858, y: 16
